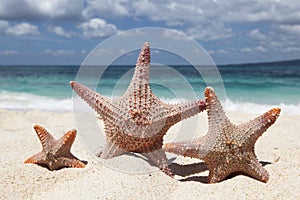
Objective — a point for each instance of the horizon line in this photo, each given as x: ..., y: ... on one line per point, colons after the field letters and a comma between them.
x: 224, y: 64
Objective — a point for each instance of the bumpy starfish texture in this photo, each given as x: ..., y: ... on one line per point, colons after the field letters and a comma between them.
x: 56, y: 153
x: 138, y: 120
x: 227, y: 148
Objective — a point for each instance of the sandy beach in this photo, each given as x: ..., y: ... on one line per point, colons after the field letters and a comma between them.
x: 278, y: 149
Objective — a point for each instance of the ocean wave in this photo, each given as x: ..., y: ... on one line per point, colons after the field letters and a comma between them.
x: 255, y: 108
x: 248, y: 107
x: 27, y: 101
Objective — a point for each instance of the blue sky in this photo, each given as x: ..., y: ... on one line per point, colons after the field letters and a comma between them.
x: 65, y: 31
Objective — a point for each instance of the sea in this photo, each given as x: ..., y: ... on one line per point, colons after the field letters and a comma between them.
x: 251, y: 88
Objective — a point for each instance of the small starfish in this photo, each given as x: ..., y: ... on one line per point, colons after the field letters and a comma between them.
x: 138, y: 120
x: 56, y: 153
x: 227, y: 148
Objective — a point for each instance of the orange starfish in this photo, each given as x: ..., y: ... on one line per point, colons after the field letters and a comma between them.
x: 56, y: 153
x: 227, y: 148
x: 138, y: 120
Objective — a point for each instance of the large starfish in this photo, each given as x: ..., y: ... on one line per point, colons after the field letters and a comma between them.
x: 227, y: 148
x: 56, y: 153
x: 138, y: 120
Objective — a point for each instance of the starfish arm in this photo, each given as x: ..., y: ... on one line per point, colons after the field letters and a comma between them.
x: 38, y: 158
x: 65, y: 143
x: 110, y: 150
x: 259, y: 125
x: 217, y: 173
x: 217, y: 119
x: 255, y: 170
x: 101, y: 104
x: 141, y: 73
x: 192, y: 149
x: 185, y: 110
x: 159, y: 158
x: 144, y: 56
x: 66, y: 162
x: 45, y: 137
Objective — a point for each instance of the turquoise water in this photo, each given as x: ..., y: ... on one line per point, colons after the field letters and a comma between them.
x: 47, y: 87
x: 48, y: 81
x: 262, y: 84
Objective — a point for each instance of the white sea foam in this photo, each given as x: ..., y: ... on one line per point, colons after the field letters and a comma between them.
x: 248, y: 107
x: 254, y: 108
x: 26, y: 101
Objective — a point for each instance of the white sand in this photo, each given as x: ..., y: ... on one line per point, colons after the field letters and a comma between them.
x: 280, y: 146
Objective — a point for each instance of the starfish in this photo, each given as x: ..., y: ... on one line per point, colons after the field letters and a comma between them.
x: 137, y: 120
x: 227, y: 148
x: 56, y: 153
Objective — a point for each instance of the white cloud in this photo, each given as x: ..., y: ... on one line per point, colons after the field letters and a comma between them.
x: 211, y: 52
x: 290, y: 28
x: 256, y: 34
x: 110, y: 8
x: 97, y: 27
x: 257, y: 49
x: 155, y: 51
x: 190, y: 11
x: 60, y: 52
x: 275, y: 44
x: 173, y: 12
x: 291, y: 49
x: 57, y: 8
x: 260, y: 49
x: 211, y: 32
x: 65, y: 52
x: 83, y: 51
x: 174, y: 34
x: 36, y: 9
x: 205, y: 20
x: 200, y: 19
x: 8, y: 52
x: 261, y: 11
x: 246, y: 50
x: 58, y: 30
x: 223, y: 51
x: 22, y: 29
x: 3, y: 25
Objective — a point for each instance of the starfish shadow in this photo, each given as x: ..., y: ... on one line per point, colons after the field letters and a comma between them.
x: 264, y: 163
x: 201, y: 179
x: 136, y: 156
x: 47, y: 167
x: 189, y: 169
x: 139, y: 156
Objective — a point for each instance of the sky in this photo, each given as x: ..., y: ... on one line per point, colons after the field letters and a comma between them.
x: 63, y: 32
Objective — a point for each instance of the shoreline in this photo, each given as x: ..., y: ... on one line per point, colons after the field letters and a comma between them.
x: 277, y: 147
x: 31, y: 102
